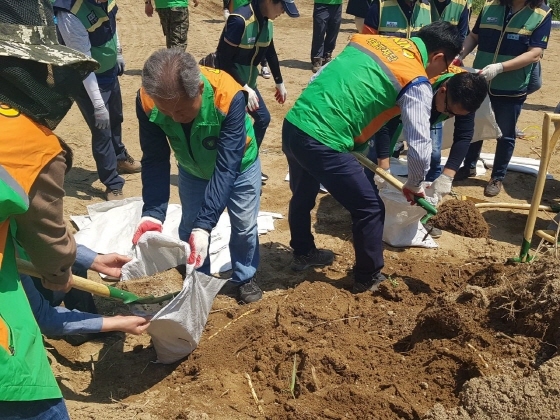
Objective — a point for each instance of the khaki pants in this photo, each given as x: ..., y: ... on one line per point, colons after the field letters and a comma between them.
x: 175, y: 25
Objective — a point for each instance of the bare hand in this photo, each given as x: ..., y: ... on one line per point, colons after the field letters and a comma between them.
x: 129, y: 324
x: 110, y: 264
x: 58, y: 287
x: 149, y: 9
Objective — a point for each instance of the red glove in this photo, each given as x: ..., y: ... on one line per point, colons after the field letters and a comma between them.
x: 146, y: 224
x: 457, y: 61
x: 281, y: 93
x: 410, y: 191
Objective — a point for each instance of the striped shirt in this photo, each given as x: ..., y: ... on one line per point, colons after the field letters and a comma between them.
x: 416, y: 108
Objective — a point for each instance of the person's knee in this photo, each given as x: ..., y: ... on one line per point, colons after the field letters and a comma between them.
x: 264, y: 120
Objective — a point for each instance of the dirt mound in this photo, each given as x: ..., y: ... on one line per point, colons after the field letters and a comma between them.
x: 530, y: 299
x: 439, y: 319
x: 461, y: 218
x: 502, y: 397
x: 169, y: 281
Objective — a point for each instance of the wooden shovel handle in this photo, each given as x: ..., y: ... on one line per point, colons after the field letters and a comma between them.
x: 364, y: 161
x: 83, y: 284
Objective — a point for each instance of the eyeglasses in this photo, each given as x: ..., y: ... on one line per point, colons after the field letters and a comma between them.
x: 446, y: 110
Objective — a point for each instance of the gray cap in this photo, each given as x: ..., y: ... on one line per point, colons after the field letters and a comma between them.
x: 29, y: 41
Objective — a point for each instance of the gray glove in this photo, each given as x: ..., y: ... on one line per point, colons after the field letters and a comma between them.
x: 102, y: 120
x: 442, y: 186
x: 120, y: 63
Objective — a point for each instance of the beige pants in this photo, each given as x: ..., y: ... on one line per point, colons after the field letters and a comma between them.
x: 359, y: 24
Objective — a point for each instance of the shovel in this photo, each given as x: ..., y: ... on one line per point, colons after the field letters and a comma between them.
x: 364, y: 161
x: 483, y: 204
x: 103, y: 290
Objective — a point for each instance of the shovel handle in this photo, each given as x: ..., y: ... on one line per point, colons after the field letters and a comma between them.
x: 422, y: 202
x: 83, y: 284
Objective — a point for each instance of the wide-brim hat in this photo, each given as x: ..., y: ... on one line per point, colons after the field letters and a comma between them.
x: 28, y: 32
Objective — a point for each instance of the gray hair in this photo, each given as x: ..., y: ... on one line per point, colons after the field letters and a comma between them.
x: 170, y: 73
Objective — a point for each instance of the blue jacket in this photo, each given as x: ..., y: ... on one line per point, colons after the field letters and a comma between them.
x: 57, y: 320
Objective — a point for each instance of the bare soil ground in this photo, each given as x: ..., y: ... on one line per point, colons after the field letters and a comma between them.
x: 453, y: 334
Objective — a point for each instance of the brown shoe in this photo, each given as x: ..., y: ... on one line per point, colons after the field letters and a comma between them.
x: 112, y: 195
x: 317, y: 63
x: 128, y: 165
x: 493, y: 188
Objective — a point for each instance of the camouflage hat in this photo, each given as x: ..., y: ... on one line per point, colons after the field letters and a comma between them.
x: 28, y: 32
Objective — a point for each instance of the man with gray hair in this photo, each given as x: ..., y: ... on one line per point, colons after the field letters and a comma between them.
x: 199, y: 113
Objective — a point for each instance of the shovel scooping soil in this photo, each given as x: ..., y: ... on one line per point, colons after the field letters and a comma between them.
x: 169, y: 281
x: 461, y: 218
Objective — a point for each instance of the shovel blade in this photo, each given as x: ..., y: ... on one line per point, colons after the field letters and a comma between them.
x: 473, y: 199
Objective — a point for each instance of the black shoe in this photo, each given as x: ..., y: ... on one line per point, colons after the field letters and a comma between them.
x: 464, y: 172
x: 249, y: 292
x: 264, y: 178
x: 327, y: 58
x: 371, y: 286
x: 433, y: 231
x: 315, y: 258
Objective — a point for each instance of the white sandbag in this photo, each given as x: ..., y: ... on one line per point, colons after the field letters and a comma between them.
x: 177, y: 328
x: 110, y: 226
x: 517, y: 164
x: 154, y: 253
x: 402, y: 221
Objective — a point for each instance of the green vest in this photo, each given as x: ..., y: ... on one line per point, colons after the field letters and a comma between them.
x: 101, y: 28
x: 356, y: 93
x: 198, y: 155
x: 451, y: 13
x: 496, y: 44
x: 167, y: 4
x: 249, y: 47
x: 393, y: 22
x: 328, y: 1
x: 25, y: 373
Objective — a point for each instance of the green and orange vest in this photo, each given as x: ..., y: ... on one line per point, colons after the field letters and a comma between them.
x: 25, y: 149
x: 356, y: 93
x: 198, y: 155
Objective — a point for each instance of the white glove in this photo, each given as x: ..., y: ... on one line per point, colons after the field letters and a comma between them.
x: 380, y: 182
x: 226, y: 14
x: 442, y: 186
x: 198, y: 242
x: 281, y: 93
x: 410, y: 191
x: 491, y: 71
x: 120, y: 63
x: 102, y: 120
x: 253, y: 100
x: 146, y: 224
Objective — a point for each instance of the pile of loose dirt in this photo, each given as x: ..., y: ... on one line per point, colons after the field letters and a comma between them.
x: 169, y: 281
x: 461, y: 218
x: 318, y: 351
x: 534, y: 397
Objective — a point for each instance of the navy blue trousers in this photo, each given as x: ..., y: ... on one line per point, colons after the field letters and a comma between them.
x: 312, y: 163
x: 326, y: 25
x: 106, y: 145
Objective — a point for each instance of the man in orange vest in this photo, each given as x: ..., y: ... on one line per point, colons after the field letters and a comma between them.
x: 38, y: 78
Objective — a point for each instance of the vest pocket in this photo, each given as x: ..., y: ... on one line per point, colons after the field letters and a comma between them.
x: 6, y: 337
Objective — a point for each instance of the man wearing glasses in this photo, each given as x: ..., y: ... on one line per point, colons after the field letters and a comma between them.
x: 372, y: 80
x: 456, y: 93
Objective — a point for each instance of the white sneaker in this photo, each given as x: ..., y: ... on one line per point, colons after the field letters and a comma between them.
x: 265, y: 72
